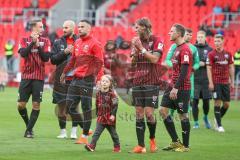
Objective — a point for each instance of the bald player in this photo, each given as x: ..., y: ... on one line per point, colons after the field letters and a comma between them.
x: 61, y: 54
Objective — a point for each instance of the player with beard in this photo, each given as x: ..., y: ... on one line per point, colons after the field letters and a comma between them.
x: 87, y: 65
x: 61, y: 54
x: 146, y: 52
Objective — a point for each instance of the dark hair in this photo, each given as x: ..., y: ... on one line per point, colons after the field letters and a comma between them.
x: 218, y: 36
x: 145, y: 22
x: 189, y: 30
x: 180, y: 28
x: 34, y: 22
x: 86, y: 21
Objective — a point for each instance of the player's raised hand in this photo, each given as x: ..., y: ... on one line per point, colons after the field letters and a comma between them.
x: 69, y: 49
x: 137, y: 43
x: 35, y: 37
x: 134, y: 40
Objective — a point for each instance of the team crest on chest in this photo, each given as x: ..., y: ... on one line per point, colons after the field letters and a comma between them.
x: 107, y: 98
x: 41, y: 44
x: 85, y: 48
x: 226, y: 56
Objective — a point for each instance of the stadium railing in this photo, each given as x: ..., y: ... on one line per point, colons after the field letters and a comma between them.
x: 218, y: 19
x: 11, y: 15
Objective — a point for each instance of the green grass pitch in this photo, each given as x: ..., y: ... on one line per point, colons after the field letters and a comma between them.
x: 205, y: 144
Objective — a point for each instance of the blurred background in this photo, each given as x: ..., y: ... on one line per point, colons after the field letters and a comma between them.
x: 113, y: 26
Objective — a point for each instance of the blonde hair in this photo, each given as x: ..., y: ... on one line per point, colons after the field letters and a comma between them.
x: 109, y: 77
x: 202, y: 32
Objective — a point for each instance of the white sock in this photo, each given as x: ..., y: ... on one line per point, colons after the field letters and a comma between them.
x: 74, y: 130
x: 84, y: 136
x: 63, y: 131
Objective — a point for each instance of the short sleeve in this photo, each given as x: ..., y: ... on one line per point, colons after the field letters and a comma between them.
x: 158, y: 45
x: 210, y: 59
x: 185, y: 56
x: 231, y: 59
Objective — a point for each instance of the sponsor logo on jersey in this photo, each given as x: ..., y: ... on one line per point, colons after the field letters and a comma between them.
x: 222, y: 62
x: 226, y: 56
x: 186, y: 58
x: 34, y: 50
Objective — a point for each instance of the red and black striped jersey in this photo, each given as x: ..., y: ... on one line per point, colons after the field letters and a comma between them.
x: 220, y: 62
x: 182, y: 55
x: 146, y: 72
x: 106, y: 105
x: 33, y: 66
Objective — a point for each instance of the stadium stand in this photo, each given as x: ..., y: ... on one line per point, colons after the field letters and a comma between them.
x: 162, y: 14
x: 13, y: 28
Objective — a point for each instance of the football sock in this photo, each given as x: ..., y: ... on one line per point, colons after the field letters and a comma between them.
x: 168, y: 122
x: 140, y: 129
x: 33, y: 119
x: 185, y: 131
x: 195, y: 109
x: 223, y: 111
x: 24, y: 115
x: 206, y: 106
x: 217, y: 113
x: 152, y: 129
x: 62, y: 122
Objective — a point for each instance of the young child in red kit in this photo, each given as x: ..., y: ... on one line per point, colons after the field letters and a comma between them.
x: 106, y: 106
